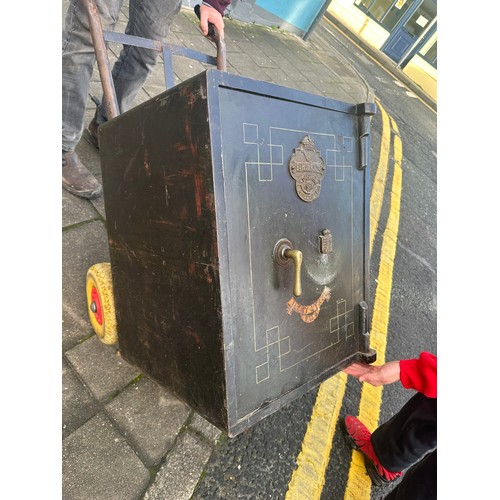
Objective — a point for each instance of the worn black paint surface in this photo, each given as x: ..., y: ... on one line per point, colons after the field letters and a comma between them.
x: 197, y: 192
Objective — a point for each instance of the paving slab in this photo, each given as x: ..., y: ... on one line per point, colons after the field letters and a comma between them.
x: 150, y: 417
x: 204, y: 428
x: 78, y: 404
x: 98, y: 464
x: 82, y: 246
x: 101, y: 368
x: 181, y: 471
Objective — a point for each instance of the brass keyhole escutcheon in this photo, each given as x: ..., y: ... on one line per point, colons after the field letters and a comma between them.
x: 283, y: 253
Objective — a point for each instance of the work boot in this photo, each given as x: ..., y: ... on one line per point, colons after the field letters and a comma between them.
x: 76, y: 178
x: 360, y: 438
x: 91, y: 133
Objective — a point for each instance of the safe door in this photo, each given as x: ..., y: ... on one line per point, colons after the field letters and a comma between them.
x: 295, y: 176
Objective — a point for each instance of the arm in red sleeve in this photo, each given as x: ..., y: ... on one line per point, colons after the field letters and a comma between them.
x: 220, y: 5
x: 420, y: 374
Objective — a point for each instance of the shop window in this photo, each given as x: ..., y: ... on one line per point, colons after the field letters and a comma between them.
x: 385, y: 12
x: 421, y: 17
x: 430, y: 54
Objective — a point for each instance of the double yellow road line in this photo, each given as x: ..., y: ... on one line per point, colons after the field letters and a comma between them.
x: 309, y: 477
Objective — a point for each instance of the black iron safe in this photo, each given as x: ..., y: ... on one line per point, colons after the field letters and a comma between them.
x: 238, y: 222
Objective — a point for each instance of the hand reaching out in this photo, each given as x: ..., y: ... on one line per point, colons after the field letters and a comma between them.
x: 375, y: 374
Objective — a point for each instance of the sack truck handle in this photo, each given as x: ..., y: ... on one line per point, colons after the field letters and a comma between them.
x: 214, y: 35
x: 100, y: 37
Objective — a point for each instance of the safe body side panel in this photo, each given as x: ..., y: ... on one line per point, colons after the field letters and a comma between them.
x: 159, y: 200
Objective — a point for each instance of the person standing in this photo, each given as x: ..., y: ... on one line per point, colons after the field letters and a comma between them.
x: 409, y: 439
x: 148, y: 19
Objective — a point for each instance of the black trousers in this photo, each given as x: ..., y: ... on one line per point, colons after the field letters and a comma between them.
x: 409, y: 439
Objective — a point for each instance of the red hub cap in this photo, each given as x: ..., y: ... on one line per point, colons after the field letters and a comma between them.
x: 96, y: 306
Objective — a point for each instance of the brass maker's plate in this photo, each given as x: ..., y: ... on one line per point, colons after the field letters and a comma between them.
x: 307, y: 169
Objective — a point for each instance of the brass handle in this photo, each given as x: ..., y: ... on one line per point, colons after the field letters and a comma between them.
x: 296, y: 256
x: 283, y: 252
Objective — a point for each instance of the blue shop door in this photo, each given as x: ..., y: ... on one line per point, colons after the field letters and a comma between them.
x: 409, y: 29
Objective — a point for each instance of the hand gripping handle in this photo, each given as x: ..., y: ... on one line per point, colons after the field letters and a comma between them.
x: 215, y: 37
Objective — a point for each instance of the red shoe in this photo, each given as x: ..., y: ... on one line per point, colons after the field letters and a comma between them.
x: 359, y: 437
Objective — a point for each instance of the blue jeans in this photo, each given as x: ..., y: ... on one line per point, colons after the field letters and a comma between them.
x: 147, y: 18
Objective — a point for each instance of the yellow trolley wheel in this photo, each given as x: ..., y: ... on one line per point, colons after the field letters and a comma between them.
x: 100, y: 302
